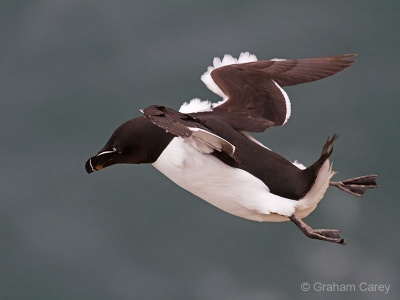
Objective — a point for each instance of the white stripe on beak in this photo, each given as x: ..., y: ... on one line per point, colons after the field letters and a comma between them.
x: 105, y: 152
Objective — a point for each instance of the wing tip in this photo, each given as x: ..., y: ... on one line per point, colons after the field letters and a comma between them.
x: 342, y: 58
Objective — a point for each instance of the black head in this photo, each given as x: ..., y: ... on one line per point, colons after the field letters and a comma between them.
x: 134, y: 142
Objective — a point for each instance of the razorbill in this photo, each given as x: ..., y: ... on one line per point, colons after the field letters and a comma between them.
x: 205, y: 148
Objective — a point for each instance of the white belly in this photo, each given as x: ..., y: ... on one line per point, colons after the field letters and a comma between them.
x: 230, y: 189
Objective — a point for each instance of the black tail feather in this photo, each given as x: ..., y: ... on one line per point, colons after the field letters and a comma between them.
x: 327, y: 149
x: 325, y: 154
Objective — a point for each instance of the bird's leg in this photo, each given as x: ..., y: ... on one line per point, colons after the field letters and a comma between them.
x: 330, y: 235
x: 356, y: 186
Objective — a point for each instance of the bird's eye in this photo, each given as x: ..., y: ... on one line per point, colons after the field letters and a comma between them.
x: 118, y: 150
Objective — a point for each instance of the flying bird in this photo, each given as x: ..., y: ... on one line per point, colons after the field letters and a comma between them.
x: 206, y: 149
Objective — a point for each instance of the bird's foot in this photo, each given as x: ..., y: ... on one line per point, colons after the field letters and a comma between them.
x: 329, y: 235
x: 356, y: 186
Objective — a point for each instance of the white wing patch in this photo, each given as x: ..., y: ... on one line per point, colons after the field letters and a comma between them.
x: 228, y: 59
x: 195, y: 105
x: 287, y: 100
x: 299, y: 165
x: 206, y: 142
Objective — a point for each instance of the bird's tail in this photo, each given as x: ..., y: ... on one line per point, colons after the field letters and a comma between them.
x: 354, y: 186
x: 312, y: 171
x: 325, y: 154
x: 319, y: 175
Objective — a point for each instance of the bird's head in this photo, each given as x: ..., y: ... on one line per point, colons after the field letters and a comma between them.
x: 134, y: 142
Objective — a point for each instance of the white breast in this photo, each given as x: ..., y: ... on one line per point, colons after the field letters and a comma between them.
x: 230, y: 189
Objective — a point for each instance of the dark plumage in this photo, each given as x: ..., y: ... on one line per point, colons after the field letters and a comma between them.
x: 204, y: 147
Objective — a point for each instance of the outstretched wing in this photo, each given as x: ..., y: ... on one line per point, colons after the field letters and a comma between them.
x: 189, y: 128
x: 253, y: 98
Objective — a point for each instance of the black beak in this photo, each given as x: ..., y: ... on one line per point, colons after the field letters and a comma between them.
x: 99, y: 161
x: 89, y: 166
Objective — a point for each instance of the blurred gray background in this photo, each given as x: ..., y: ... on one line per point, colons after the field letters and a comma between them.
x: 71, y: 71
